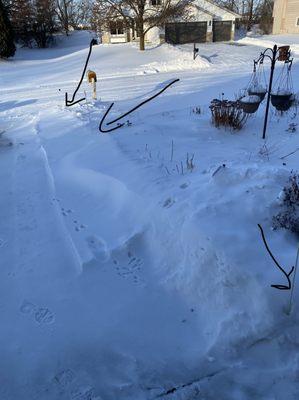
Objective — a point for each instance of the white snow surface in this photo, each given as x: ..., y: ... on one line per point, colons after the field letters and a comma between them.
x: 270, y: 40
x: 250, y: 99
x: 124, y: 274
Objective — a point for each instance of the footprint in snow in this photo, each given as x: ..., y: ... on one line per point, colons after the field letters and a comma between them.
x: 65, y: 377
x: 168, y: 203
x: 129, y: 269
x: 42, y: 315
x: 84, y: 394
x: 67, y: 212
x: 74, y: 387
x: 184, y: 185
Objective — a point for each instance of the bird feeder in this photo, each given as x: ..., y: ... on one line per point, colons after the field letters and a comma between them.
x: 92, y: 79
x: 283, y: 53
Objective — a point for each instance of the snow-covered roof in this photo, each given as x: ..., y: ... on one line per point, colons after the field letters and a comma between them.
x: 213, y: 9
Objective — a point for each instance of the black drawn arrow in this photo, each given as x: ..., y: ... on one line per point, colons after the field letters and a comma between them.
x: 280, y: 287
x: 119, y: 125
x: 72, y: 102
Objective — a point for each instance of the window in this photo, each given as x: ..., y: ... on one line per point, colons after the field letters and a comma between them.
x: 117, y: 28
x: 297, y: 21
x: 156, y: 2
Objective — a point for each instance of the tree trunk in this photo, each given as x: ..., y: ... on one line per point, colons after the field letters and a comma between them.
x: 250, y: 15
x: 66, y: 18
x: 141, y: 41
x: 7, y: 47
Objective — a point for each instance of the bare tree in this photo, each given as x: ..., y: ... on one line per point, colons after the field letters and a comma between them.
x: 22, y: 17
x: 252, y: 11
x: 81, y: 14
x: 263, y: 15
x: 7, y: 47
x: 44, y: 22
x: 143, y: 15
x: 63, y: 12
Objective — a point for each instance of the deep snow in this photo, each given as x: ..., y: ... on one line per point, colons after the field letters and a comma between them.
x: 124, y: 275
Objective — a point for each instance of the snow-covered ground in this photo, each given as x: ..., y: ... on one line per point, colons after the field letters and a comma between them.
x: 124, y: 274
x: 269, y: 40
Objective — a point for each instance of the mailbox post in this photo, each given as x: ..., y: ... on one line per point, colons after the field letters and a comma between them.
x: 92, y: 79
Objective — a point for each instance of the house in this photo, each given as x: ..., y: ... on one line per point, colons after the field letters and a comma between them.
x: 286, y: 16
x: 207, y: 22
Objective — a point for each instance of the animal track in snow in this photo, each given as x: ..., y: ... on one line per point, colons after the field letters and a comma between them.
x: 184, y: 185
x: 64, y: 377
x: 74, y: 387
x: 168, y: 202
x: 128, y: 265
x: 42, y: 315
x: 83, y: 394
x: 66, y: 212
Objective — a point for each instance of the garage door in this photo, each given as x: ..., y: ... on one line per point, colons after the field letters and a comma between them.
x: 186, y: 32
x: 222, y: 31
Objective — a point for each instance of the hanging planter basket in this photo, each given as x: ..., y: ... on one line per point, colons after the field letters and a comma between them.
x: 257, y: 90
x: 250, y: 104
x: 281, y: 100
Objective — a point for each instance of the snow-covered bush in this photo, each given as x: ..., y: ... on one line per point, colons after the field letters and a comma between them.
x: 288, y: 218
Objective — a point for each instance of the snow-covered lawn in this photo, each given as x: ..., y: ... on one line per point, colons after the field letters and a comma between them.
x: 124, y: 274
x: 269, y: 40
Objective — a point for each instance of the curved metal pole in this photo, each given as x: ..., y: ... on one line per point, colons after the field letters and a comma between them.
x: 280, y: 287
x: 143, y: 102
x: 102, y: 121
x: 130, y: 111
x: 273, y: 61
x: 71, y: 102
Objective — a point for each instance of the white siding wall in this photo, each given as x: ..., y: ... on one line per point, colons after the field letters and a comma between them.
x: 286, y: 13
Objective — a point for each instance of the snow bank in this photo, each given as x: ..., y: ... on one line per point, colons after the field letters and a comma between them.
x: 271, y: 40
x: 177, y: 60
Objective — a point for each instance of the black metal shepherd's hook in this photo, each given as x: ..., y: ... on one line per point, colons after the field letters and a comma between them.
x: 275, y: 54
x: 280, y: 287
x: 195, y: 51
x: 71, y: 102
x: 119, y: 125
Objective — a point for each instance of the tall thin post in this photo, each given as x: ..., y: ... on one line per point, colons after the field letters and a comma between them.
x: 195, y: 51
x: 273, y: 61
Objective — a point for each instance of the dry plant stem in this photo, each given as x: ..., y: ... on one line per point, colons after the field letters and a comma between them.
x: 218, y: 169
x: 228, y: 114
x: 167, y: 170
x: 171, y: 157
x: 289, y: 154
